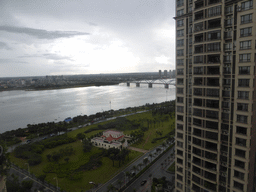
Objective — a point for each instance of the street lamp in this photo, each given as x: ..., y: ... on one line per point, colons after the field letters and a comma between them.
x: 28, y: 168
x: 56, y: 182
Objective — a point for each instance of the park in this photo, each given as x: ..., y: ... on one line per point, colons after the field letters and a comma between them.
x: 75, y: 162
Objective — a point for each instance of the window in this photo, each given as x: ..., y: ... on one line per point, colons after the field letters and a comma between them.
x: 179, y: 152
x: 246, y: 5
x: 198, y: 70
x: 213, y: 47
x: 198, y: 59
x: 180, y: 90
x: 229, y: 10
x: 246, y: 32
x: 180, y: 33
x: 241, y: 142
x: 180, y: 23
x: 213, y: 92
x: 243, y: 82
x: 180, y: 144
x: 214, y: 11
x: 180, y: 109
x: 180, y: 161
x: 246, y: 18
x: 214, y: 35
x: 179, y: 99
x: 241, y: 130
x: 180, y: 71
x: 180, y: 135
x: 240, y: 164
x: 227, y: 58
x: 245, y: 44
x: 180, y: 62
x: 180, y: 127
x: 180, y: 12
x: 180, y: 42
x: 238, y: 185
x: 242, y: 106
x: 198, y: 91
x: 242, y: 118
x: 240, y: 153
x: 229, y: 21
x: 180, y: 3
x: 198, y: 27
x: 179, y: 177
x: 244, y: 70
x: 179, y: 81
x: 243, y: 94
x: 180, y: 52
x: 179, y: 185
x: 245, y: 57
x: 179, y: 117
x: 239, y: 175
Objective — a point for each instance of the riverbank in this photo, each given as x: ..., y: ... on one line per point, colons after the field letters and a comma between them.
x: 40, y: 88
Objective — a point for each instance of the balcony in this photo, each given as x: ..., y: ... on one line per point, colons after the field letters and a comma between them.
x: 199, y: 38
x: 210, y: 156
x: 210, y: 166
x: 197, y: 91
x: 212, y: 103
x: 212, y: 125
x: 212, y: 114
x: 199, y: 15
x: 199, y: 4
x: 211, y: 135
x: 198, y: 27
x: 213, y: 1
x: 213, y: 70
x: 225, y: 93
x: 213, y: 82
x: 213, y: 59
x: 197, y: 122
x: 197, y: 102
x: 196, y: 179
x: 199, y: 49
x: 197, y: 161
x: 196, y: 170
x: 197, y: 132
x: 212, y: 92
x: 197, y: 151
x: 198, y: 81
x: 210, y: 176
x: 216, y: 23
x: 197, y: 141
x: 210, y: 146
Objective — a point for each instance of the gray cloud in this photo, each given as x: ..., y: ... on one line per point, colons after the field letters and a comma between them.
x: 4, y: 46
x: 51, y: 56
x: 40, y: 33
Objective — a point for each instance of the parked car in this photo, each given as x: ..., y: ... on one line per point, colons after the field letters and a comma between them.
x: 44, y: 138
x: 28, y: 141
x: 143, y: 182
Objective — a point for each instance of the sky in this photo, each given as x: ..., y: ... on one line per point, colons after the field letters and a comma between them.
x: 66, y: 37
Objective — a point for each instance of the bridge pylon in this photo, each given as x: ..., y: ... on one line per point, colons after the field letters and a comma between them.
x: 150, y: 85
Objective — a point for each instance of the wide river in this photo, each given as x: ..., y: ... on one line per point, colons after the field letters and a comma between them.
x: 19, y: 108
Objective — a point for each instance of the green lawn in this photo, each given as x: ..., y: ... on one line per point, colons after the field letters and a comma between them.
x: 99, y: 175
x: 149, y: 135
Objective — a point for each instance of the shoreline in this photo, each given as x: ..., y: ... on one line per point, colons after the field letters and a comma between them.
x: 54, y: 88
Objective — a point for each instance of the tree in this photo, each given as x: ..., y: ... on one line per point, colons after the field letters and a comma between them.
x: 66, y: 159
x: 42, y: 177
x: 150, y: 155
x: 4, y: 159
x: 134, y: 168
x: 87, y: 145
x: 80, y: 136
x: 27, y: 185
x: 111, y: 187
x: 140, y: 164
x: 119, y: 182
x: 145, y: 161
x: 164, y: 145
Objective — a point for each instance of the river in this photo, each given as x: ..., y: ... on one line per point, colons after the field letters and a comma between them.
x: 19, y: 108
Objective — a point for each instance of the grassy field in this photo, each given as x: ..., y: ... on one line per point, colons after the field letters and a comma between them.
x: 149, y: 135
x: 106, y: 170
x: 99, y: 175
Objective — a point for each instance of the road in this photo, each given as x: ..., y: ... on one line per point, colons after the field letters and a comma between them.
x: 11, y: 148
x: 157, y: 170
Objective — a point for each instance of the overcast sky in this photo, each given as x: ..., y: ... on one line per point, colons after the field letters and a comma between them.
x: 55, y: 37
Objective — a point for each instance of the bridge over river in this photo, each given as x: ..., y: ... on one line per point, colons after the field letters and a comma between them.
x: 165, y: 82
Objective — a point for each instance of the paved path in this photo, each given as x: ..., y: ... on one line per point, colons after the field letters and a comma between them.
x: 137, y: 149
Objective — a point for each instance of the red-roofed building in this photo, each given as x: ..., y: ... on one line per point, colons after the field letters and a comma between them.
x: 109, y: 139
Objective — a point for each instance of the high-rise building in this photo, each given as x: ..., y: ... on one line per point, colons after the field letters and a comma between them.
x: 215, y: 95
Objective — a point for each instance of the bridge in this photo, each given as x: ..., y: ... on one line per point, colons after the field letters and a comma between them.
x: 165, y: 82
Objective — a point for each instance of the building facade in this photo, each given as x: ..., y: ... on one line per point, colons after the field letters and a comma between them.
x: 215, y: 95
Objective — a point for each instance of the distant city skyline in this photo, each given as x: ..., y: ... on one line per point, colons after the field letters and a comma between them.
x: 86, y: 37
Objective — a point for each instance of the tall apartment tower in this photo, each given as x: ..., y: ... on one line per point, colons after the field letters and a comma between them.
x: 215, y: 95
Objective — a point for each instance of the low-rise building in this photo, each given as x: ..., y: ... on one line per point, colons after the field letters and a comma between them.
x: 110, y: 139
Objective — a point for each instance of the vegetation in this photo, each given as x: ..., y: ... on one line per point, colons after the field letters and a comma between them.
x: 172, y: 168
x: 72, y: 158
